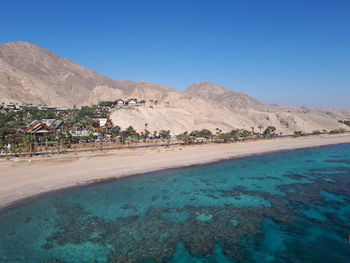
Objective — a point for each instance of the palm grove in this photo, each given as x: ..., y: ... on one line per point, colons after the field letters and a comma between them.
x: 13, y: 125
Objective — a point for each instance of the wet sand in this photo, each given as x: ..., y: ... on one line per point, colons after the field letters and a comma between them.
x: 21, y: 178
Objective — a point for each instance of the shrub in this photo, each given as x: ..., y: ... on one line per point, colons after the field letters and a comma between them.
x: 337, y: 131
x: 345, y: 122
x: 298, y: 133
x: 269, y: 131
x: 202, y: 133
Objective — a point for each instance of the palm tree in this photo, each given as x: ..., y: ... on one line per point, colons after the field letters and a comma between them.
x: 165, y: 134
x: 155, y: 133
x: 269, y: 131
x: 244, y: 134
x: 260, y: 128
x: 218, y: 131
x: 146, y: 134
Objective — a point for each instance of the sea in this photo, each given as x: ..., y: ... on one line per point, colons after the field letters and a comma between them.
x: 291, y: 206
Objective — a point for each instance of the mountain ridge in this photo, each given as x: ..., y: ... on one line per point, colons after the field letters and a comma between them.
x: 62, y: 74
x: 31, y: 74
x: 232, y: 99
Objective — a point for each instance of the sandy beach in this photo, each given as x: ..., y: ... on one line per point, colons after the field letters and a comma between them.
x: 21, y: 178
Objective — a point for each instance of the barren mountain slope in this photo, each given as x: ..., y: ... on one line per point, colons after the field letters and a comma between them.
x: 229, y: 98
x: 17, y: 86
x: 69, y: 83
x: 179, y: 119
x: 31, y: 74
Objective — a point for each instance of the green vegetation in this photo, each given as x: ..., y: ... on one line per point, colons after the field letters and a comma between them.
x: 14, y: 123
x: 225, y: 137
x: 298, y: 133
x: 128, y: 134
x: 345, y: 122
x: 185, y: 138
x: 202, y: 133
x: 164, y: 134
x: 145, y: 134
x: 269, y: 131
x: 244, y: 134
x: 106, y: 103
x: 233, y: 135
x: 337, y: 131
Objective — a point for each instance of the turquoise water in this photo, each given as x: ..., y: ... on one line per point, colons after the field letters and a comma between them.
x: 283, y: 207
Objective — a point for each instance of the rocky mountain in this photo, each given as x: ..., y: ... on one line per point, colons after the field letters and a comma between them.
x: 231, y: 99
x: 31, y: 74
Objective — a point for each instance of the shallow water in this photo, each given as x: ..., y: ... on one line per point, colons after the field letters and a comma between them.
x: 282, y: 207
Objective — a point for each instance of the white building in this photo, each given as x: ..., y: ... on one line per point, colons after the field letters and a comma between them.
x: 120, y: 103
x: 131, y: 102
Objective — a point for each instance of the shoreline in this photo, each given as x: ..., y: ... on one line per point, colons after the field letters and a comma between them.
x: 22, y: 179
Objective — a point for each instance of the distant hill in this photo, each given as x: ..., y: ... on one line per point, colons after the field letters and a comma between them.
x: 31, y: 74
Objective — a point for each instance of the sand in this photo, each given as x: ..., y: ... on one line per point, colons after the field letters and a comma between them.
x: 22, y: 178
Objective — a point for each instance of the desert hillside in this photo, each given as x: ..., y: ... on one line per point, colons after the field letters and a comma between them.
x: 229, y: 98
x: 31, y: 74
x: 179, y: 119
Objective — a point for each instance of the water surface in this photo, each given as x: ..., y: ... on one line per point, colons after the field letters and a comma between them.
x: 283, y: 207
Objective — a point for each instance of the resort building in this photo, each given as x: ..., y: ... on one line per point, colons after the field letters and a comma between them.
x: 80, y: 133
x: 38, y: 128
x: 47, y: 108
x: 61, y: 110
x: 53, y: 124
x: 9, y: 107
x: 99, y: 122
x: 131, y: 102
x: 44, y: 126
x: 119, y: 103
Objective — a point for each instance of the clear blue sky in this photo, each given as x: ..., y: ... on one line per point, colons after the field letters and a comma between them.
x: 290, y: 52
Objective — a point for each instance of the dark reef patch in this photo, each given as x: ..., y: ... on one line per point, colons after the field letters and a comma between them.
x: 342, y: 161
x: 233, y: 209
x: 153, y: 237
